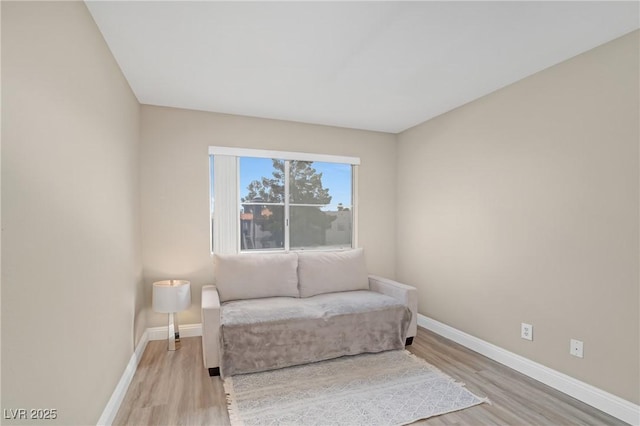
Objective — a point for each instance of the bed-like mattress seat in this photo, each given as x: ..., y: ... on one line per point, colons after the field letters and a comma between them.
x: 276, y: 332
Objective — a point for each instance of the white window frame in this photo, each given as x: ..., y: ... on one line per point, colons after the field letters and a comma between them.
x: 226, y: 232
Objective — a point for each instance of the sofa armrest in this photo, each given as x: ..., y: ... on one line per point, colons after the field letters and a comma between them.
x: 210, y: 327
x: 402, y: 292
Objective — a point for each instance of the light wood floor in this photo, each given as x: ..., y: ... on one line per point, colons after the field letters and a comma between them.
x: 173, y: 388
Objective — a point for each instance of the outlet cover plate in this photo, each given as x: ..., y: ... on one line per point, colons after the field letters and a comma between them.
x: 526, y: 331
x: 576, y: 348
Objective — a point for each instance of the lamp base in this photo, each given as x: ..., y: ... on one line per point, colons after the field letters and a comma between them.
x: 173, y: 337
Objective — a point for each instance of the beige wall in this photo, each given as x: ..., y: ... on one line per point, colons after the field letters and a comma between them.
x: 523, y: 207
x: 71, y: 275
x: 175, y: 188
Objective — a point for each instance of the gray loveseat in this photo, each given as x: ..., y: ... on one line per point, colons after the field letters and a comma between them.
x: 270, y: 311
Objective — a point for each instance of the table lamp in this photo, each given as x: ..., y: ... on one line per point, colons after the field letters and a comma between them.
x: 170, y: 297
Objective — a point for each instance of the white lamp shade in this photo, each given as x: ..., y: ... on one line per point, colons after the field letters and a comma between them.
x: 171, y: 296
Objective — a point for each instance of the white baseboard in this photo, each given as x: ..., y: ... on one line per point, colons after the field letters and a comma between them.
x: 153, y: 333
x: 598, y: 398
x: 110, y: 411
x: 187, y: 330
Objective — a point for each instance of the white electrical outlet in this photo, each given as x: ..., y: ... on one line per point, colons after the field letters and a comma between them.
x: 526, y: 331
x: 576, y: 348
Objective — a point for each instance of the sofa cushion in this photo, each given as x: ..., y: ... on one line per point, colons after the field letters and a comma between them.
x: 276, y: 310
x: 251, y: 276
x: 328, y: 272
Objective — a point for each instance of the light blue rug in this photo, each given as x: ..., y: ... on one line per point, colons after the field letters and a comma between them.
x: 389, y: 388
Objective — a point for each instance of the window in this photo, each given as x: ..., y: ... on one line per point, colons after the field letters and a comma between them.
x: 281, y: 201
x: 262, y: 206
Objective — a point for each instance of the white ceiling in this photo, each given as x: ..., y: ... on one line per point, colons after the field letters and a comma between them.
x: 383, y: 66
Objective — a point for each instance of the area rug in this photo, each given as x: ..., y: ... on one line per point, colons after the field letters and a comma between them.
x: 388, y: 388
